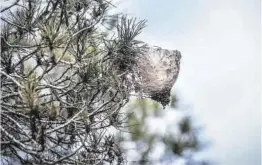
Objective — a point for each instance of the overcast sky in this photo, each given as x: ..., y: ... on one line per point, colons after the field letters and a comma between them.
x: 220, y: 70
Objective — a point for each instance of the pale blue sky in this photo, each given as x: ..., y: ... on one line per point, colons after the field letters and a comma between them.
x: 220, y: 69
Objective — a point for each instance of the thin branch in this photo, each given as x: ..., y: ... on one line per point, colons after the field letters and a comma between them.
x: 8, y: 7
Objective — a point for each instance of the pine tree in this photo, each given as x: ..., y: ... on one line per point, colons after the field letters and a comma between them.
x: 67, y: 70
x: 63, y: 80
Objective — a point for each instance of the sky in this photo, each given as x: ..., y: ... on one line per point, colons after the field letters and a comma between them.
x: 220, y: 70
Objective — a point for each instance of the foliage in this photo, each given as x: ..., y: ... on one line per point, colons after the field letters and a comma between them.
x: 67, y: 70
x: 176, y: 139
x: 63, y: 80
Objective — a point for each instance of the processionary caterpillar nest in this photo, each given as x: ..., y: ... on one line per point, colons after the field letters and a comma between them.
x: 156, y: 72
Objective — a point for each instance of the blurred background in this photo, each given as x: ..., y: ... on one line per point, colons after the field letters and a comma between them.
x: 218, y: 91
